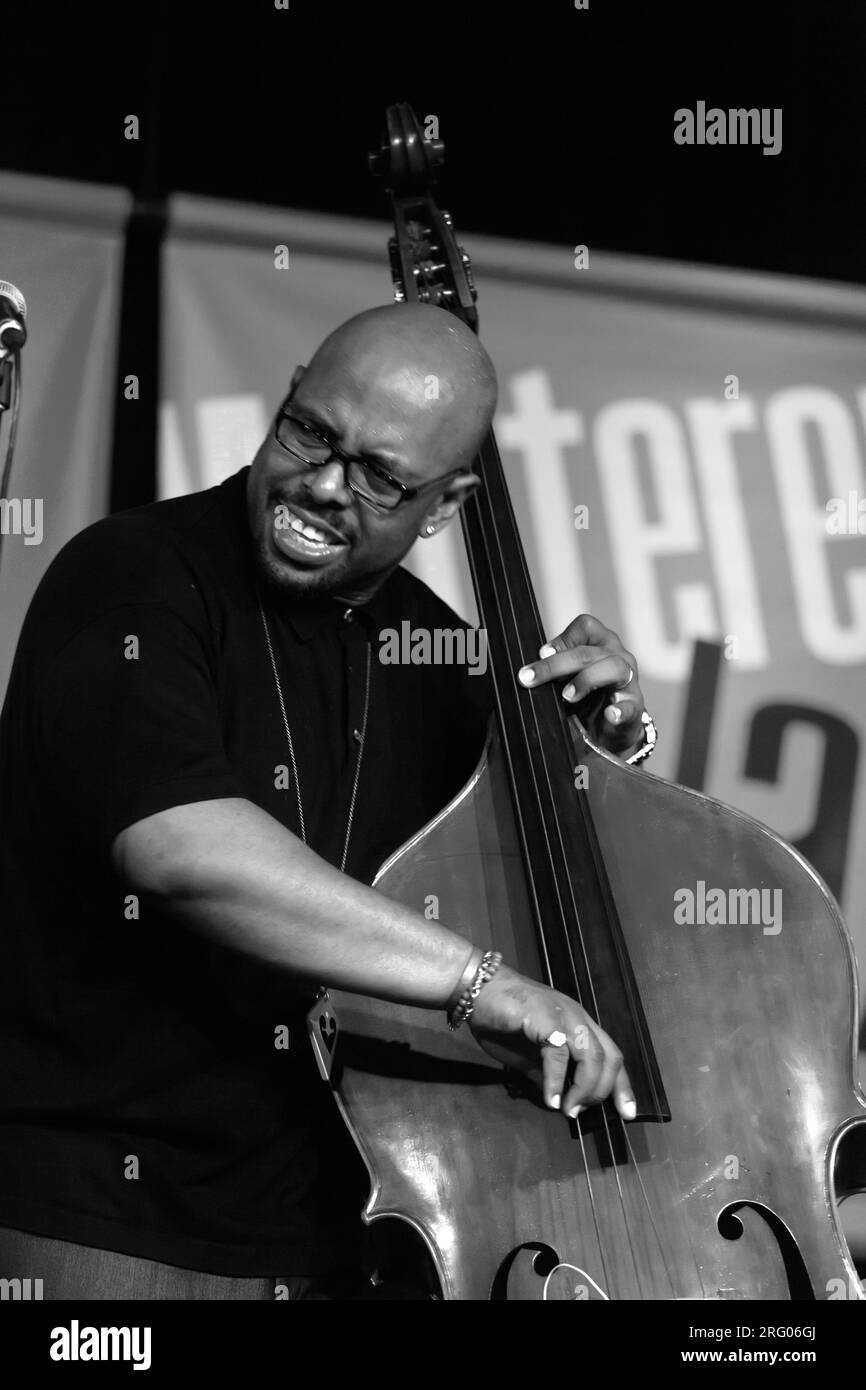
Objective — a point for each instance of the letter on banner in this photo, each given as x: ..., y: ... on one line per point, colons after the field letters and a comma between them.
x: 542, y: 433
x: 832, y: 632
x: 638, y: 541
x: 711, y: 423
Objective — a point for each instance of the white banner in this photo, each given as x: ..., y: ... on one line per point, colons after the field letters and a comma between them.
x: 61, y: 244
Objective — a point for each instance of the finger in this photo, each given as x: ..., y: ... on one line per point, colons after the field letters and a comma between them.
x: 588, y: 1055
x: 613, y: 1079
x: 610, y: 669
x: 585, y: 630
x: 556, y: 665
x: 629, y: 680
x: 622, y: 713
x: 610, y: 1068
x: 554, y: 1061
x: 623, y: 1095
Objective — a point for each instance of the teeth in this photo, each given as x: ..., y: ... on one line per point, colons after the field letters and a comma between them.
x: 312, y: 533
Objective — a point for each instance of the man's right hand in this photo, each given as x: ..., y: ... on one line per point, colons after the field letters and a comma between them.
x: 513, y: 1019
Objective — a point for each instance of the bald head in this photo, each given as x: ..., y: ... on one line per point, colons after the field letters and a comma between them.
x: 409, y: 393
x: 424, y: 363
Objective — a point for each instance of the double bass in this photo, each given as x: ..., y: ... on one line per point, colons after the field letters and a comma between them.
x: 740, y: 1044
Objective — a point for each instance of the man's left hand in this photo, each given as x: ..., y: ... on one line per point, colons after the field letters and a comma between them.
x: 588, y: 656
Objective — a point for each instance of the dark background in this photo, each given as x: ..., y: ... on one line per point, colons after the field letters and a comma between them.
x: 558, y: 124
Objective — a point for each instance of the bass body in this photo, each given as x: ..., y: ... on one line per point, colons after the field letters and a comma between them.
x: 735, y: 1197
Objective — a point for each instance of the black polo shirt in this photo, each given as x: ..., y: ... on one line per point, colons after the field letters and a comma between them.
x: 144, y: 1105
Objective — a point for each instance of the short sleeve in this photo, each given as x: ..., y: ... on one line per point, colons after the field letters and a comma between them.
x: 128, y: 723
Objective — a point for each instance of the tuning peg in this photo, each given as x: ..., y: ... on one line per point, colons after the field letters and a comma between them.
x: 466, y: 262
x: 396, y: 271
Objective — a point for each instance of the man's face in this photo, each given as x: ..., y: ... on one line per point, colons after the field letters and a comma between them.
x: 375, y: 411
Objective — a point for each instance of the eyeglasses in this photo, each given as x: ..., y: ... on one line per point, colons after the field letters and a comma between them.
x: 372, y: 483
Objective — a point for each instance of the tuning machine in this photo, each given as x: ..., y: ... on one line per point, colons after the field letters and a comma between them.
x: 396, y: 271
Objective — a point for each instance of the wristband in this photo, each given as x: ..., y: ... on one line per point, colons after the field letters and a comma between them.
x: 463, y: 1009
x: 650, y: 738
x: 466, y: 978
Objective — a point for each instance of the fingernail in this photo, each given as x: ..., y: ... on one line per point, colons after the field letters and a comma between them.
x: 555, y: 1102
x: 613, y: 713
x: 568, y: 693
x: 573, y: 1114
x: 629, y: 1109
x: 526, y: 675
x: 547, y: 651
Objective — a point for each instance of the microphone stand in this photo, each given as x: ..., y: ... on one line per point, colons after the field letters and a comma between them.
x: 10, y: 401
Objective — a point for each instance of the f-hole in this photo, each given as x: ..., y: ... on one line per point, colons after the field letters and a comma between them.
x: 544, y: 1261
x: 731, y: 1227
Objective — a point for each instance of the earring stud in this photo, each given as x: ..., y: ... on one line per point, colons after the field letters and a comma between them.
x: 429, y: 530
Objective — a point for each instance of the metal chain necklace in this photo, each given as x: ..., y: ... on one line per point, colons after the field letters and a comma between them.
x: 361, y: 738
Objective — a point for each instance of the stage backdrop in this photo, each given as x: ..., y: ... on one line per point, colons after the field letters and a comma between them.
x: 61, y: 244
x: 672, y: 438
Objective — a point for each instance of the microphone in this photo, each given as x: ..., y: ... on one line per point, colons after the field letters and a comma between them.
x: 13, y: 313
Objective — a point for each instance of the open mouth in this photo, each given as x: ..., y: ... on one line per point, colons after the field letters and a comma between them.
x: 300, y: 539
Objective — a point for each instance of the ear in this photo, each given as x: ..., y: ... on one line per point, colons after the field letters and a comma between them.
x: 296, y: 379
x: 449, y: 503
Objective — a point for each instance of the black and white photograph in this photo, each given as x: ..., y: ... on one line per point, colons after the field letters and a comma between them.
x: 433, y: 675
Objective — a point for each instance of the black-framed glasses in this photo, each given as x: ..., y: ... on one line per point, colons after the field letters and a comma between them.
x: 370, y: 481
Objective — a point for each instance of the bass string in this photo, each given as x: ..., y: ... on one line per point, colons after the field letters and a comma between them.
x: 576, y: 917
x: 520, y: 818
x: 555, y: 878
x: 663, y: 1134
x: 519, y: 813
x: 623, y: 1128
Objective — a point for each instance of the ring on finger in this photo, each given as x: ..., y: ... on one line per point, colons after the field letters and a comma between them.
x: 556, y: 1039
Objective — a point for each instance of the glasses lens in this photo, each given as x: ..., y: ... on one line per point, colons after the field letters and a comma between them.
x: 306, y: 445
x: 373, y: 486
x: 294, y: 435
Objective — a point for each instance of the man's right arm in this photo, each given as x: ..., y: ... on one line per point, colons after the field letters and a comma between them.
x: 232, y: 872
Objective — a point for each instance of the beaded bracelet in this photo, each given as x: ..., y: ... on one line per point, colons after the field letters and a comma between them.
x: 650, y: 739
x: 463, y: 1009
x: 469, y: 971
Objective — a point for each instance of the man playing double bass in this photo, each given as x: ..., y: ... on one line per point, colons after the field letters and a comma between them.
x: 197, y: 738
